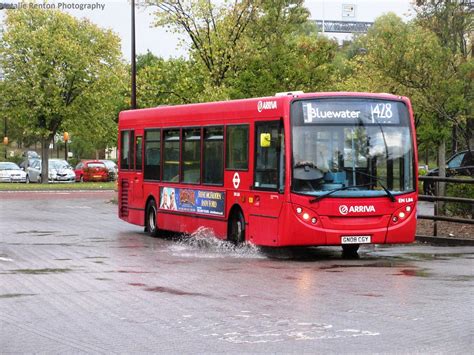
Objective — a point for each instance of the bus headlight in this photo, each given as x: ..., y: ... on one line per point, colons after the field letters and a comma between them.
x: 306, y: 215
x: 402, y: 214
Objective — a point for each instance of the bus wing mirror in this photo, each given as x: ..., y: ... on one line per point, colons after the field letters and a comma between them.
x: 265, y: 140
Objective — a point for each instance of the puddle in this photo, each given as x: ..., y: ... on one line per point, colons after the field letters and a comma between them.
x: 204, y: 244
x: 174, y: 291
x: 381, y: 263
x: 413, y: 272
x: 38, y: 233
x: 252, y: 328
x: 14, y: 295
x: 304, y: 254
x: 437, y: 256
x: 40, y: 271
x: 133, y: 272
x: 369, y: 295
x: 138, y: 284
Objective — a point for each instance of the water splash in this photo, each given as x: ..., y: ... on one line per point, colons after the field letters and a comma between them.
x: 203, y: 243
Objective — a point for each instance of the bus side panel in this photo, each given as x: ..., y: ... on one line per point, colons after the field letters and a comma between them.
x: 136, y: 217
x: 263, y: 230
x: 403, y: 232
x: 296, y: 232
x: 189, y: 224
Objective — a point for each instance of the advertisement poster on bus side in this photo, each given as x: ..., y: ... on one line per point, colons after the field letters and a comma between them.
x: 191, y: 200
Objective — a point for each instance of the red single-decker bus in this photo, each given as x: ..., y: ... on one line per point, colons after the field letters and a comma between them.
x: 297, y: 169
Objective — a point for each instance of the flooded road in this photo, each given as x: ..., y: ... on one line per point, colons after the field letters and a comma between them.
x: 74, y: 278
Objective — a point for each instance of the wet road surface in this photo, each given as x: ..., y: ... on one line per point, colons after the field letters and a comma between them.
x: 74, y: 278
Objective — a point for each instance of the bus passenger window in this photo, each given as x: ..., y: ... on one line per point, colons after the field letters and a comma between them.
x: 171, y: 155
x: 125, y: 150
x: 237, y: 146
x: 152, y: 154
x: 192, y: 155
x: 213, y: 158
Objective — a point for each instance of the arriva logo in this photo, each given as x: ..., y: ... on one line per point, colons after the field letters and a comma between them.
x: 343, y: 209
x: 267, y: 105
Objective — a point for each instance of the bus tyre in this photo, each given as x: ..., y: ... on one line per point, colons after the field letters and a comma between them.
x: 150, y: 219
x: 350, y: 251
x: 236, y: 232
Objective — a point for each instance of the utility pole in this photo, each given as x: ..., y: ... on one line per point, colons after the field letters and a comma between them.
x: 133, y: 99
x: 5, y: 137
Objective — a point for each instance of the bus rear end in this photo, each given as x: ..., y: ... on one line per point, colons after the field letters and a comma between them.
x: 353, y: 171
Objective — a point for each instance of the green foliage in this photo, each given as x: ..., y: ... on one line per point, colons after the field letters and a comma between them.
x: 60, y: 73
x: 460, y: 209
x: 238, y: 49
x: 409, y: 59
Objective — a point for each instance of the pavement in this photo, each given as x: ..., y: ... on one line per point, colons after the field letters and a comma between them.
x: 76, y: 279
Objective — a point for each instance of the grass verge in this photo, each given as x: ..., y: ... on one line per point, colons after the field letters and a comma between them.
x: 5, y: 186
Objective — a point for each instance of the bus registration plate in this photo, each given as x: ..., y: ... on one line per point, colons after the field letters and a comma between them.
x: 355, y: 239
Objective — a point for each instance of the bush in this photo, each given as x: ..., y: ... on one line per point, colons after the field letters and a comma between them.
x: 457, y: 208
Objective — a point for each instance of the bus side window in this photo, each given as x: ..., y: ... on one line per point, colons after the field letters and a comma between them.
x: 213, y: 156
x: 192, y: 155
x: 171, y: 155
x: 152, y: 154
x: 125, y: 150
x: 237, y: 144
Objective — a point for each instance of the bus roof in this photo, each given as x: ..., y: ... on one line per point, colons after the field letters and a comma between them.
x: 232, y: 110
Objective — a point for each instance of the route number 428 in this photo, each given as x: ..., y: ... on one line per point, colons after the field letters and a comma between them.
x: 381, y: 111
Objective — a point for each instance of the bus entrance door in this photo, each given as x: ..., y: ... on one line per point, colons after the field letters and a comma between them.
x: 268, y: 183
x: 136, y: 186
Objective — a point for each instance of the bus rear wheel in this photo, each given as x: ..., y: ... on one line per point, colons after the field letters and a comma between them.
x: 236, y: 229
x: 150, y: 219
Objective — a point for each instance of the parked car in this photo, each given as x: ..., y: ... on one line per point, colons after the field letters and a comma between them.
x: 91, y: 170
x: 31, y: 154
x: 26, y: 163
x: 461, y: 163
x: 58, y: 171
x: 10, y: 172
x: 112, y: 167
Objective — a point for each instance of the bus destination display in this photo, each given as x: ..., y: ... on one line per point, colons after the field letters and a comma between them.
x: 350, y: 111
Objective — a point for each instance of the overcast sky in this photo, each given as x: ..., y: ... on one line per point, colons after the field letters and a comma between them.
x: 116, y: 16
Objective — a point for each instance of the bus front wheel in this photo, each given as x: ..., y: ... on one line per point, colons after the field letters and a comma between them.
x: 236, y: 229
x: 150, y: 219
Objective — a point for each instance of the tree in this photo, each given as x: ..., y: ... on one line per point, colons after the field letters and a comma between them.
x: 246, y: 48
x: 411, y: 59
x: 60, y: 73
x: 453, y: 23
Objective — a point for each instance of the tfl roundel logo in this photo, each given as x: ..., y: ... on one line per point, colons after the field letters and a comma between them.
x: 343, y: 209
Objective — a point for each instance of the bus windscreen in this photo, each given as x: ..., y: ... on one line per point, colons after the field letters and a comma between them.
x: 351, y: 147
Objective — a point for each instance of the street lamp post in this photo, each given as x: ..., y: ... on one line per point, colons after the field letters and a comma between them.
x: 66, y: 138
x: 133, y: 98
x: 5, y: 137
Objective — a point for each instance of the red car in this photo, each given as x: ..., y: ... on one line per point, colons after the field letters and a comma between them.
x: 91, y: 170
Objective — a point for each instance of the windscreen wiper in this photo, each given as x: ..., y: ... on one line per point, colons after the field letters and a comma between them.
x: 377, y: 179
x: 335, y: 190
